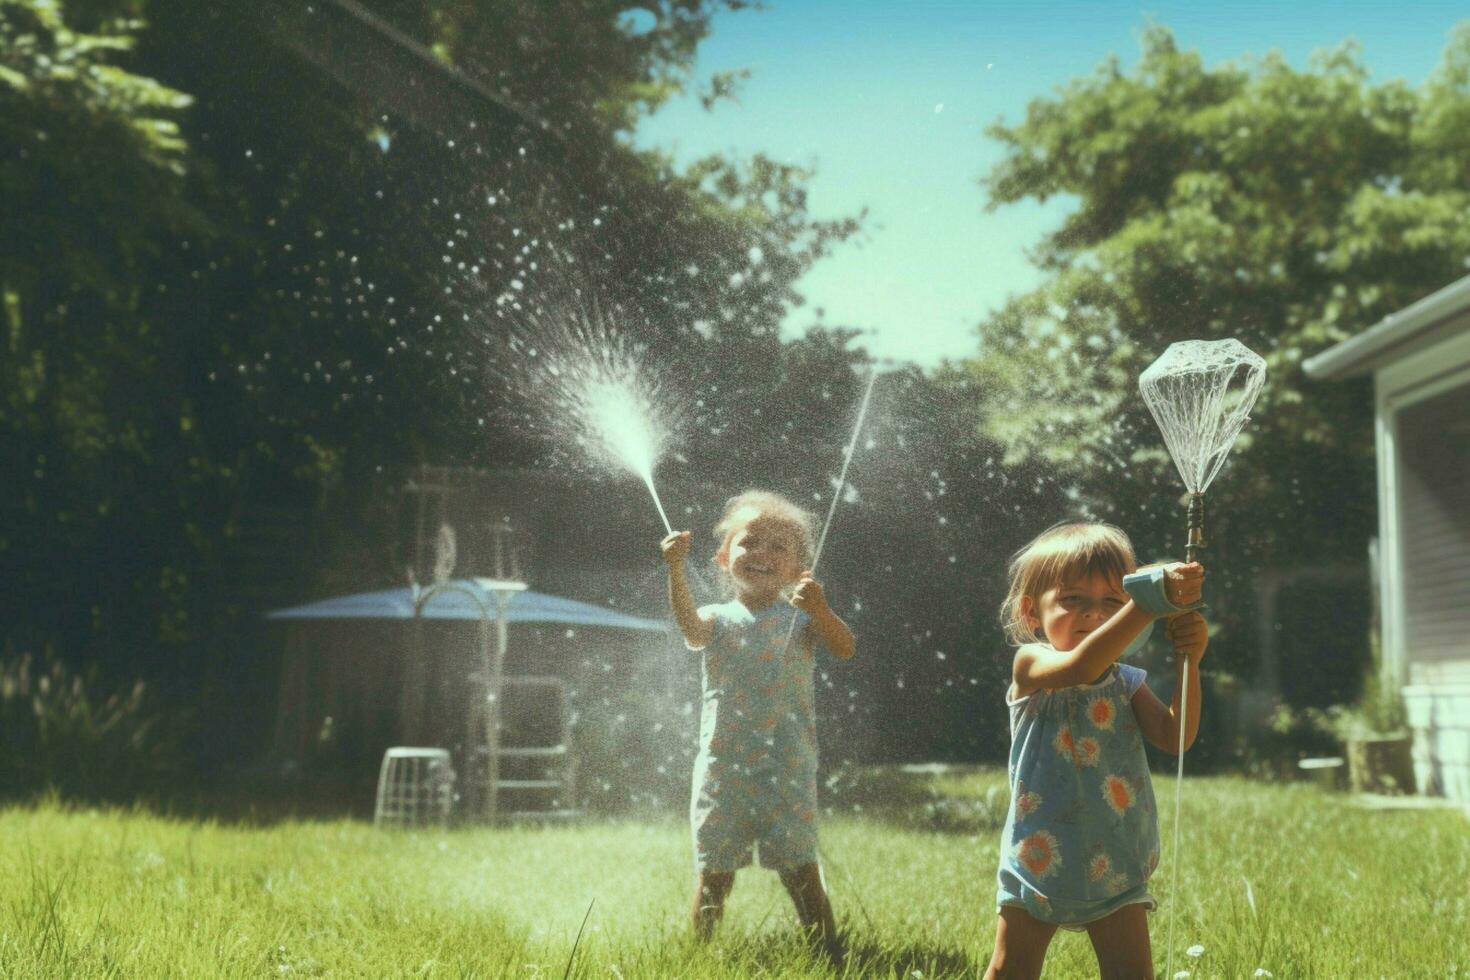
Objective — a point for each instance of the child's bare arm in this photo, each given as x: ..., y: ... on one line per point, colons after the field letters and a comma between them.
x: 697, y: 631
x: 1160, y: 724
x: 826, y: 626
x: 1039, y: 666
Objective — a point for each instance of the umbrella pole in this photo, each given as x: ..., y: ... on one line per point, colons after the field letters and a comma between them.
x: 412, y: 697
x: 494, y: 664
x: 489, y: 664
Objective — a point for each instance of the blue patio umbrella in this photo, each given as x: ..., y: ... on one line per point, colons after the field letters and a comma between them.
x: 470, y: 599
x: 486, y: 601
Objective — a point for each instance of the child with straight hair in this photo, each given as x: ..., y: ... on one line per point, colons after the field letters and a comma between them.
x: 1082, y: 835
x: 755, y: 778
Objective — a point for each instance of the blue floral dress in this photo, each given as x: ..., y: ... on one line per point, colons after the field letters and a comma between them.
x: 755, y: 778
x: 1082, y: 835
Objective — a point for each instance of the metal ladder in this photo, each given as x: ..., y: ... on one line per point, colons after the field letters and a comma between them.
x: 533, y: 781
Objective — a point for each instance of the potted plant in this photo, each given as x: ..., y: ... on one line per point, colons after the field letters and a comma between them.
x: 1377, y: 739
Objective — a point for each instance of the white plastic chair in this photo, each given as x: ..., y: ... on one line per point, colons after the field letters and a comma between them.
x: 415, y: 787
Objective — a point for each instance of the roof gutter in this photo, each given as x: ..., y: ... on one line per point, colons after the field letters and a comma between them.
x: 1419, y: 325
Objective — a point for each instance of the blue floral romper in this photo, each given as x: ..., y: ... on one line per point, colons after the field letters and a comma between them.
x: 755, y: 778
x: 1082, y: 835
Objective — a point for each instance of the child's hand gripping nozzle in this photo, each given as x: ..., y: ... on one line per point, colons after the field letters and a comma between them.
x: 809, y: 596
x: 1166, y: 590
x: 1188, y: 635
x: 675, y: 547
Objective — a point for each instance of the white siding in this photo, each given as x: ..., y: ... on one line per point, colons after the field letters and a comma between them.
x: 1424, y: 499
x: 1439, y: 717
x: 1416, y: 510
x: 1434, y: 528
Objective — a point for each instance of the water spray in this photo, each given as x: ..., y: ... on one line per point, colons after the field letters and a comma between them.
x: 857, y: 431
x: 595, y: 391
x: 1200, y: 393
x: 619, y: 415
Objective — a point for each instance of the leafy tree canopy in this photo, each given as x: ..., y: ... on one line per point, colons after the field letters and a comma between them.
x: 1287, y: 208
x: 234, y: 291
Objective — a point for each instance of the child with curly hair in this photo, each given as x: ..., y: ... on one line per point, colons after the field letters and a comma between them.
x: 755, y: 778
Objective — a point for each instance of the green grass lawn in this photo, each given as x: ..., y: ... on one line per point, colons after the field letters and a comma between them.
x: 1281, y: 878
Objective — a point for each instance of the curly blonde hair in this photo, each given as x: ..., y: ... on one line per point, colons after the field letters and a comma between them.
x: 1062, y: 553
x: 745, y: 507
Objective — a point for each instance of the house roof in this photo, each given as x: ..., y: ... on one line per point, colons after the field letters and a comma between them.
x: 1395, y: 336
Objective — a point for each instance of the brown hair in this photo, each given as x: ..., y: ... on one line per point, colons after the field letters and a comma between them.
x: 1062, y: 553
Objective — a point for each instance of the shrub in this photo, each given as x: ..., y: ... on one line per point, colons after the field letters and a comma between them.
x: 59, y: 731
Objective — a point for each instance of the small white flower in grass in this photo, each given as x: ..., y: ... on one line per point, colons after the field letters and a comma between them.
x: 1195, y: 950
x: 1181, y: 975
x: 1261, y: 971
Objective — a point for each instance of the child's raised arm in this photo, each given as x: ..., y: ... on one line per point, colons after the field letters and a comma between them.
x: 697, y: 631
x: 1038, y: 666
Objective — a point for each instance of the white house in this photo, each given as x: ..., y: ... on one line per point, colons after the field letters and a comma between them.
x: 1420, y: 362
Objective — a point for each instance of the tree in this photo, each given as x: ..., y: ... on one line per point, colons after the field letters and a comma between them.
x: 93, y: 183
x: 1289, y: 209
x: 240, y: 300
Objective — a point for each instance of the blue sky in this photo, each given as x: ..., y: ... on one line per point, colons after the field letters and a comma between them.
x: 888, y: 101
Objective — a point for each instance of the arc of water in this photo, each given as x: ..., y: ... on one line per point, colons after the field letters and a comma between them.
x: 857, y: 431
x: 592, y: 382
x: 658, y: 503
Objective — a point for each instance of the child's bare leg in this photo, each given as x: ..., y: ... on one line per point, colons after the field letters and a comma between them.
x: 1122, y: 946
x: 804, y: 885
x: 1020, y: 945
x: 710, y: 891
